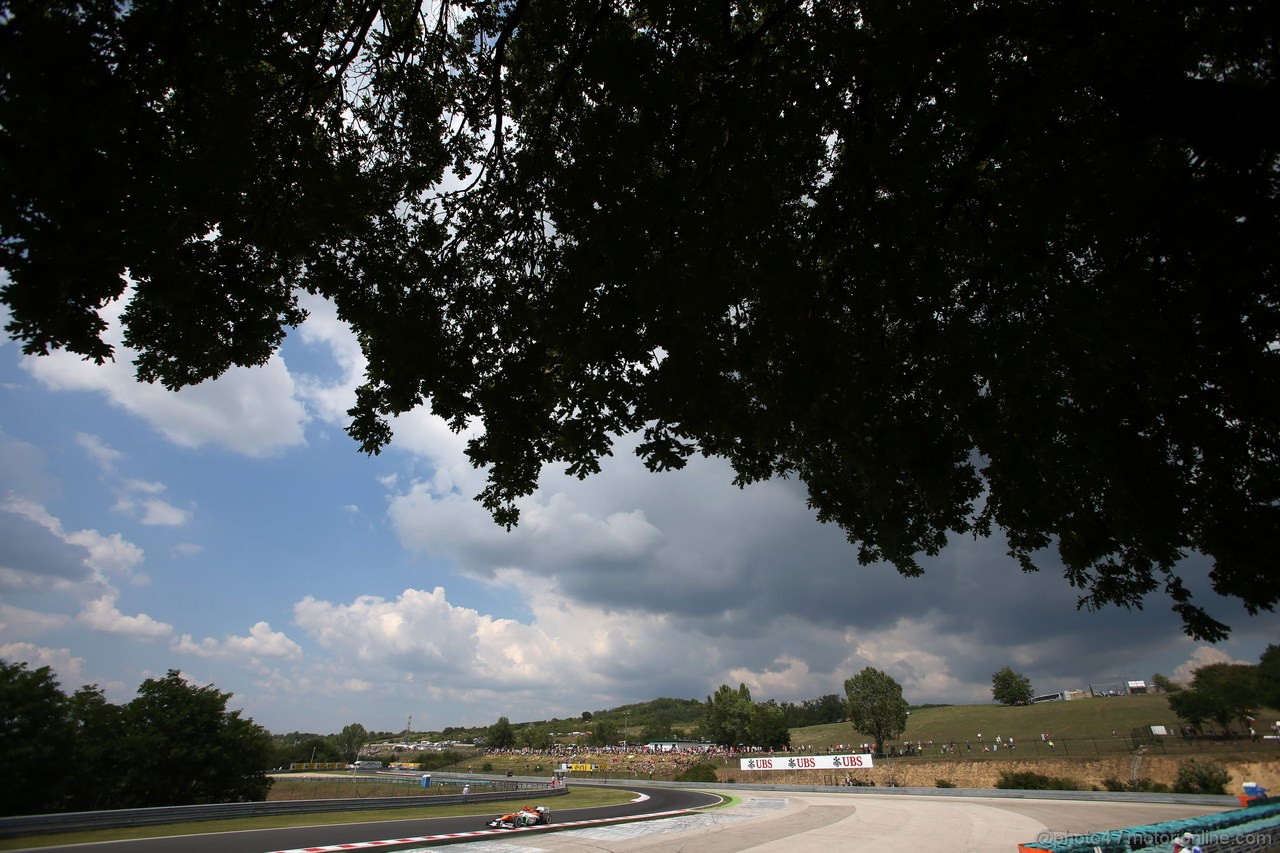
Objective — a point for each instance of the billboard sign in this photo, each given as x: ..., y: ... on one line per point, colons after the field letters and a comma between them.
x: 808, y: 762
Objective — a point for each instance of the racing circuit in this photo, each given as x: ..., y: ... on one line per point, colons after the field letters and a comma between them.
x: 761, y: 821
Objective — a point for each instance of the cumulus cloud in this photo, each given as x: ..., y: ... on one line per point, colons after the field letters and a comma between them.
x: 67, y: 666
x: 101, y: 615
x: 767, y: 596
x: 102, y: 555
x: 614, y: 654
x: 106, y: 457
x: 1202, y: 656
x: 28, y: 623
x: 329, y: 397
x: 262, y: 642
x: 253, y: 411
x: 22, y: 471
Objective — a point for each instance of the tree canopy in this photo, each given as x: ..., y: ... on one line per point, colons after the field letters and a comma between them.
x: 174, y: 744
x: 1227, y: 693
x: 733, y: 718
x: 961, y: 268
x: 500, y: 735
x: 876, y: 706
x: 349, y: 741
x: 1010, y: 688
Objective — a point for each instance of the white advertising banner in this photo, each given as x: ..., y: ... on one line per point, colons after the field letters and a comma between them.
x: 808, y: 762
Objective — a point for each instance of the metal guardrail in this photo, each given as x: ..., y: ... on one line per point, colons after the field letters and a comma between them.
x: 16, y: 827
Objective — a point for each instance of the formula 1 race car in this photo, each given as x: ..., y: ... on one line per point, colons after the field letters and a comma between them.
x: 527, y: 816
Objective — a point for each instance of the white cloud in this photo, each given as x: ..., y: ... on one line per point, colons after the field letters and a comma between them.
x: 146, y: 487
x: 102, y: 615
x: 330, y: 400
x: 158, y: 512
x: 1202, y: 656
x: 261, y: 642
x: 105, y: 456
x: 65, y: 665
x: 252, y: 411
x: 427, y: 437
x: 28, y: 623
x: 109, y: 554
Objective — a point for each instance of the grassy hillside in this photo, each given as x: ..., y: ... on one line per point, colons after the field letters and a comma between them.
x: 1093, y: 718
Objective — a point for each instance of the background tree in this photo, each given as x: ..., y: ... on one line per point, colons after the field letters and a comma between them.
x: 1222, y: 692
x: 535, y: 737
x: 604, y: 733
x: 1010, y: 688
x: 349, y: 740
x: 876, y: 706
x: 99, y: 750
x: 500, y: 735
x: 960, y: 268
x: 1165, y: 684
x: 37, y: 740
x: 767, y: 726
x: 728, y: 715
x: 1268, y: 676
x: 658, y: 727
x: 302, y: 748
x: 184, y: 747
x: 174, y: 744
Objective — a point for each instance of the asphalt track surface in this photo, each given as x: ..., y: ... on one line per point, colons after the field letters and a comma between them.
x: 293, y: 838
x: 759, y: 822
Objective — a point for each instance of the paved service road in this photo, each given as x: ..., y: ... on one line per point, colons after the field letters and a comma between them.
x: 260, y: 841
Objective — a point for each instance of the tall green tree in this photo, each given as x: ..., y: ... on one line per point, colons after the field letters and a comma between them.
x: 100, y: 750
x: 959, y: 268
x: 876, y: 706
x: 185, y: 747
x: 37, y: 740
x: 500, y: 735
x: 174, y: 744
x: 349, y: 741
x: 1268, y: 676
x: 728, y: 715
x: 535, y: 737
x: 1222, y: 692
x: 604, y: 733
x: 1010, y: 688
x: 767, y: 726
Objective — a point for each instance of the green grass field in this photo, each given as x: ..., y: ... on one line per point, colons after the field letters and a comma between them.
x: 1078, y: 727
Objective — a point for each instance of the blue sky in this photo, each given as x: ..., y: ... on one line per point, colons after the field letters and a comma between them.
x: 235, y: 532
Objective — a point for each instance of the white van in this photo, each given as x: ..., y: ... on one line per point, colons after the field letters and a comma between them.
x: 365, y: 765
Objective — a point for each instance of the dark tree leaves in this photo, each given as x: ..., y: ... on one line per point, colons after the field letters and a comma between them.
x: 961, y: 268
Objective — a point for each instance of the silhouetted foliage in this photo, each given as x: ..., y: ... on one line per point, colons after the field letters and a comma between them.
x: 960, y: 268
x: 174, y: 744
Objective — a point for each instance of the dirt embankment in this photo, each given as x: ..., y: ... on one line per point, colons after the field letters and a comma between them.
x: 1088, y: 773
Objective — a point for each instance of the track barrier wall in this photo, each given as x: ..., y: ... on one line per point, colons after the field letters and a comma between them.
x: 1253, y: 829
